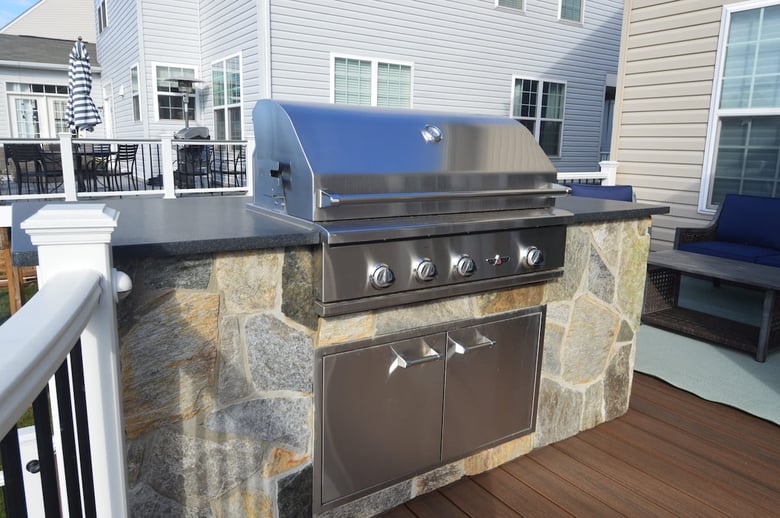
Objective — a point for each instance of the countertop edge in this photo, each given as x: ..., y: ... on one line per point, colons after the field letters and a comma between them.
x: 254, y: 231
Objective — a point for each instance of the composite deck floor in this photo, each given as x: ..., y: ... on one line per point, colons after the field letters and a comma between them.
x: 672, y: 454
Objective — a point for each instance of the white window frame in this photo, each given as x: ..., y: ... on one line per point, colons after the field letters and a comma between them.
x: 713, y: 133
x: 374, y: 67
x: 227, y: 106
x: 520, y: 9
x: 135, y: 91
x: 538, y: 116
x: 581, y: 21
x: 157, y: 94
x: 46, y: 99
x: 102, y: 17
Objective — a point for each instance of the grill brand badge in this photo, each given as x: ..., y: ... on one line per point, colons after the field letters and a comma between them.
x: 498, y: 260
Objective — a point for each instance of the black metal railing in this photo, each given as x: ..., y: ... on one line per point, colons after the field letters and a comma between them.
x: 73, y: 438
x: 39, y: 168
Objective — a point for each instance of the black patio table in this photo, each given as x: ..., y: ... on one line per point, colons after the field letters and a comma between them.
x: 662, y: 290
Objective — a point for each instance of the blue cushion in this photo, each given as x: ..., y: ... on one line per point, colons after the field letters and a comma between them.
x: 727, y: 250
x: 769, y: 260
x: 605, y: 192
x: 751, y: 220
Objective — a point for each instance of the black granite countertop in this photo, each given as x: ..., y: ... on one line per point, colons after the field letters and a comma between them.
x: 193, y: 225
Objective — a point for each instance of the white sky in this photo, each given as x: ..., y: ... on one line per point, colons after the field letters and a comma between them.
x: 10, y: 9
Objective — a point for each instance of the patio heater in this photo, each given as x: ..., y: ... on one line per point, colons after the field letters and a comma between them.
x: 186, y: 87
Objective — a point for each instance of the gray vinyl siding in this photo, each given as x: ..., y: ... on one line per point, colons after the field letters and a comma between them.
x: 240, y: 21
x: 118, y: 48
x: 171, y: 37
x: 663, y: 101
x: 464, y: 54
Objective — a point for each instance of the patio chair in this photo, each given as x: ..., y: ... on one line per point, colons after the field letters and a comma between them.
x: 229, y: 166
x: 193, y: 162
x: 33, y: 166
x: 120, y: 164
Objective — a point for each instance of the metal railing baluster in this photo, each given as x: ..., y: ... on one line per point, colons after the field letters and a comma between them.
x: 15, y: 500
x: 82, y: 430
x: 46, y: 463
x: 68, y: 440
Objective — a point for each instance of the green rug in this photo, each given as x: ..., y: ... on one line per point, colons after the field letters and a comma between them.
x: 710, y: 371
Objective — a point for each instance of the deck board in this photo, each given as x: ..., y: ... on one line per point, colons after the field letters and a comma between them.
x: 672, y: 454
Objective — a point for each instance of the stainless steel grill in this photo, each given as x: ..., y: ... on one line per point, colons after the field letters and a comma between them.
x: 412, y: 206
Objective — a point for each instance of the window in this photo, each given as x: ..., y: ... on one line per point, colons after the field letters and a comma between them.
x: 538, y: 105
x: 102, y: 17
x: 226, y: 84
x: 170, y: 102
x: 135, y: 93
x: 743, y: 141
x: 512, y: 4
x: 372, y: 83
x: 37, y: 110
x: 571, y: 10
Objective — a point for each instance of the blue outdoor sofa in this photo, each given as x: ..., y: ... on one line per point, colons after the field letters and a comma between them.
x: 745, y: 228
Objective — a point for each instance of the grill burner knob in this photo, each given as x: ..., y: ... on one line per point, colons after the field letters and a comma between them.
x: 382, y: 277
x: 533, y: 257
x: 425, y: 270
x: 465, y: 266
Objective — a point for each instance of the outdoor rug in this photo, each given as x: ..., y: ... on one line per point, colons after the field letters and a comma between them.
x: 710, y: 371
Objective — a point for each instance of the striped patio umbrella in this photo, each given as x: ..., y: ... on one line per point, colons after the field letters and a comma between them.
x: 82, y: 112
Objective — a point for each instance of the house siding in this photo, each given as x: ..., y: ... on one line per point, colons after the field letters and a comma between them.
x: 464, y: 54
x: 59, y: 19
x: 241, y: 22
x: 450, y: 71
x: 667, y: 66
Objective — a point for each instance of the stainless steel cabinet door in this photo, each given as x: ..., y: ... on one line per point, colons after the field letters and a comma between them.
x: 491, y: 383
x: 382, y: 413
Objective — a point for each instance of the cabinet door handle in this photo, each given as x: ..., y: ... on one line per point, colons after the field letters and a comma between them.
x: 403, y: 362
x: 459, y: 348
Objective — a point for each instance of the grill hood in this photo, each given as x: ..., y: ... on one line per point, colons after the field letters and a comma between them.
x: 327, y: 163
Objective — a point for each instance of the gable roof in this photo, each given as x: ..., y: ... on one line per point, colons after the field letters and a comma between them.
x: 32, y: 49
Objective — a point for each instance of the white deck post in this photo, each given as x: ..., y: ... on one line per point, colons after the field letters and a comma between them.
x: 609, y: 167
x: 77, y: 237
x: 68, y: 167
x: 166, y: 148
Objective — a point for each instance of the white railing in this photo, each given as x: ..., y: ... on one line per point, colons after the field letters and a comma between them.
x: 158, y: 158
x: 606, y: 175
x: 78, y: 292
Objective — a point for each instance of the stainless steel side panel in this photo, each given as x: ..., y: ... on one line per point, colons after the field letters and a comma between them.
x: 491, y: 384
x: 381, y: 411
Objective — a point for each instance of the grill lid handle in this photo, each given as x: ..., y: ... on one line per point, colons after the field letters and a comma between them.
x: 329, y: 199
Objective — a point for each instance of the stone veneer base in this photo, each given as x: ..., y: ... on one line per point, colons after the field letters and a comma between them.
x: 218, y: 360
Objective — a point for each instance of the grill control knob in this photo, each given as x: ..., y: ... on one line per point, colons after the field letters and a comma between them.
x: 382, y: 277
x: 465, y: 266
x: 533, y: 257
x: 425, y: 270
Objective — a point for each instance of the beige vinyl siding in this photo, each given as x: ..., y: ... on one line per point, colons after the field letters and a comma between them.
x: 664, y: 89
x: 58, y: 19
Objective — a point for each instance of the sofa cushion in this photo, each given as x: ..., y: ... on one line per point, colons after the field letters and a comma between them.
x: 769, y: 260
x: 735, y: 251
x: 750, y: 220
